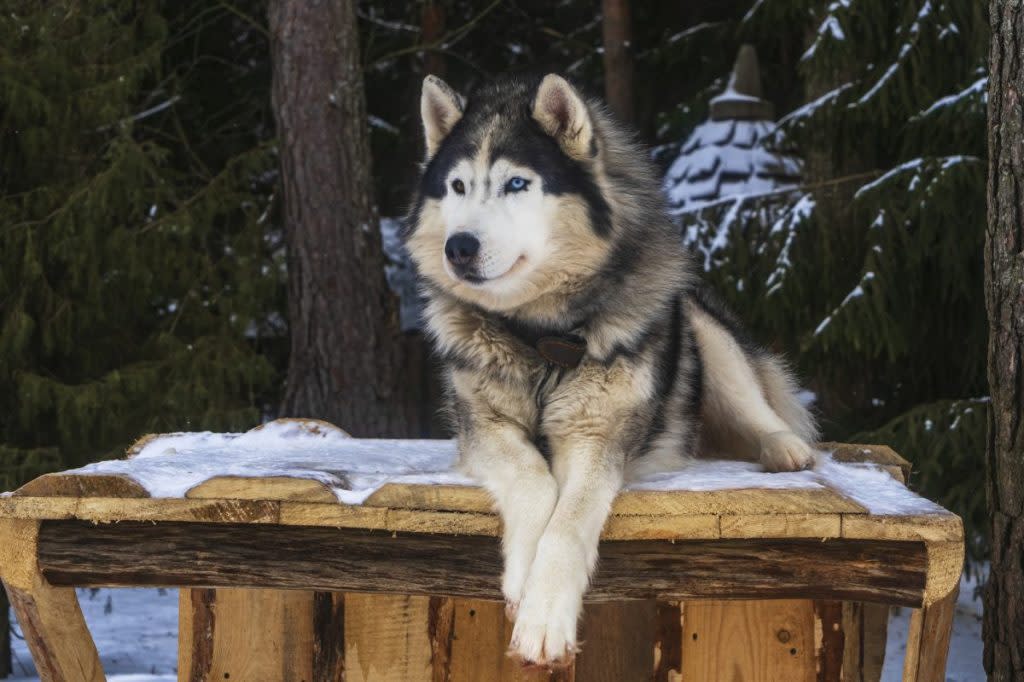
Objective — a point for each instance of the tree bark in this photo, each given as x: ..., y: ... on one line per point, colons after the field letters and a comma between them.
x: 432, y: 25
x: 1004, y: 300
x: 346, y: 348
x: 618, y: 58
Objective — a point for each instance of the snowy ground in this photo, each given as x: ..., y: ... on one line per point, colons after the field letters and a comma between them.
x: 136, y: 631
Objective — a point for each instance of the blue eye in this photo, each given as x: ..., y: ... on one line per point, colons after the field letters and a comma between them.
x: 516, y: 184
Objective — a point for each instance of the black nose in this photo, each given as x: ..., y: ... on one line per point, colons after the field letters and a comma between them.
x: 461, y: 248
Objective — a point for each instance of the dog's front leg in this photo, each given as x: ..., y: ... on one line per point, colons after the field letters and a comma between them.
x: 545, y: 630
x: 517, y: 476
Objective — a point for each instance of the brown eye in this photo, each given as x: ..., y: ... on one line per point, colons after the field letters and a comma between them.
x: 458, y: 186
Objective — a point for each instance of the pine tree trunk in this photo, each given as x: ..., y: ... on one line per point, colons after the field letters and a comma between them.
x: 432, y: 23
x: 1004, y: 299
x: 346, y: 347
x: 618, y: 58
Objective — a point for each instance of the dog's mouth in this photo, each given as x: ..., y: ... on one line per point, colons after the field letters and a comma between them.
x: 474, y: 278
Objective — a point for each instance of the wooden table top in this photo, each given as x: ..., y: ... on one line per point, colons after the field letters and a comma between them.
x: 815, y: 506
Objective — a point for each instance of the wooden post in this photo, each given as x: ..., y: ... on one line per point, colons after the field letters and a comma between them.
x: 50, y: 617
x: 749, y: 640
x: 928, y: 641
x: 243, y: 634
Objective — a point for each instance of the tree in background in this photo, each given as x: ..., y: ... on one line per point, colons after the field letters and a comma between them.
x: 1004, y: 299
x: 346, y: 363
x: 871, y: 277
x: 617, y: 30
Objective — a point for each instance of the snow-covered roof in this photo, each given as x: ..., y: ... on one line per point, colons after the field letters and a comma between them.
x: 731, y: 153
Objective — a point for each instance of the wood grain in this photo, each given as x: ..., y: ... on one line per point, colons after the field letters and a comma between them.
x: 82, y: 485
x: 928, y: 641
x: 617, y: 642
x: 753, y: 641
x: 264, y: 488
x: 387, y: 638
x: 127, y: 553
x: 246, y: 634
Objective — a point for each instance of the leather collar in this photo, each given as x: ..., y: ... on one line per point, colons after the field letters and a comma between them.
x: 565, y: 350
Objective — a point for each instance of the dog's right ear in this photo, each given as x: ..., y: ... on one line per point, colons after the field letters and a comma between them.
x: 441, y: 109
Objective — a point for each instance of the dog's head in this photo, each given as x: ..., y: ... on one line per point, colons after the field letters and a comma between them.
x: 510, y: 207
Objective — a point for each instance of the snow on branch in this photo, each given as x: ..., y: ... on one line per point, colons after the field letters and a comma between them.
x: 917, y: 166
x: 829, y: 30
x: 811, y: 108
x: 905, y: 49
x: 855, y: 293
x: 975, y: 93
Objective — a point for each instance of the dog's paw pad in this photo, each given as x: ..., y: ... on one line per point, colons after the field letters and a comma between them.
x: 785, y: 451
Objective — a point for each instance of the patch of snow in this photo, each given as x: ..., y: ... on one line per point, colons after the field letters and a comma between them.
x: 354, y: 469
x: 135, y: 630
x: 693, y: 30
x: 807, y: 398
x: 978, y: 90
x: 401, y: 274
x: 965, y: 648
x: 854, y: 294
x: 809, y: 109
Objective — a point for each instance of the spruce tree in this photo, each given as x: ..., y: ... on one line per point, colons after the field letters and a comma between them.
x: 137, y: 270
x: 870, y: 275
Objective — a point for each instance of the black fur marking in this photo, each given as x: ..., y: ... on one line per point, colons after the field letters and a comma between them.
x: 668, y: 372
x: 455, y: 148
x: 528, y: 145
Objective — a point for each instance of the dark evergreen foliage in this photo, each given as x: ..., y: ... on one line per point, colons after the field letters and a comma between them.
x: 136, y: 268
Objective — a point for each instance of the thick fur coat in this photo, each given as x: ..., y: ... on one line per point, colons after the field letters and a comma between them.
x: 537, y: 217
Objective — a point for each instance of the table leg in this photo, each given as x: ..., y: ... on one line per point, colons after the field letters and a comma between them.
x: 928, y: 641
x: 50, y: 617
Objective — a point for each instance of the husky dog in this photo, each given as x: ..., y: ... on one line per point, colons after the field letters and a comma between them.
x: 579, y: 348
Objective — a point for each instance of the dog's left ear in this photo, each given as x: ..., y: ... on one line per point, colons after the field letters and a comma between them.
x: 440, y: 108
x: 563, y: 115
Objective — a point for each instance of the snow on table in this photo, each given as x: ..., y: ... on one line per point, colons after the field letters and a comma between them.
x: 167, y: 466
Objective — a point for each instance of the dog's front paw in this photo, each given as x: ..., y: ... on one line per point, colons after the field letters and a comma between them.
x: 785, y: 451
x: 545, y: 630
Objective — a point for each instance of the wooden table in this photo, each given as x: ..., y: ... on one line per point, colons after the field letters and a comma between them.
x: 287, y: 583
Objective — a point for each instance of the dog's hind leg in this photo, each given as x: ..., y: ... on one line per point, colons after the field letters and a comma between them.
x: 520, y: 481
x: 738, y: 418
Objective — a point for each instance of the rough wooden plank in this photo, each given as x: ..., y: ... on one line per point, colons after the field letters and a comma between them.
x: 50, y: 617
x: 447, y: 523
x: 264, y: 488
x: 741, y: 501
x: 480, y: 647
x: 386, y: 638
x: 112, y: 509
x: 55, y: 631
x: 617, y: 642
x: 329, y: 637
x: 928, y: 641
x: 441, y: 631
x: 333, y: 516
x: 865, y: 629
x: 781, y: 526
x: 668, y: 642
x: 634, y: 502
x: 929, y: 528
x: 754, y: 641
x: 665, y: 527
x: 244, y: 634
x: 190, y: 554
x: 882, y: 455
x: 437, y: 497
x: 82, y: 485
x: 830, y: 642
